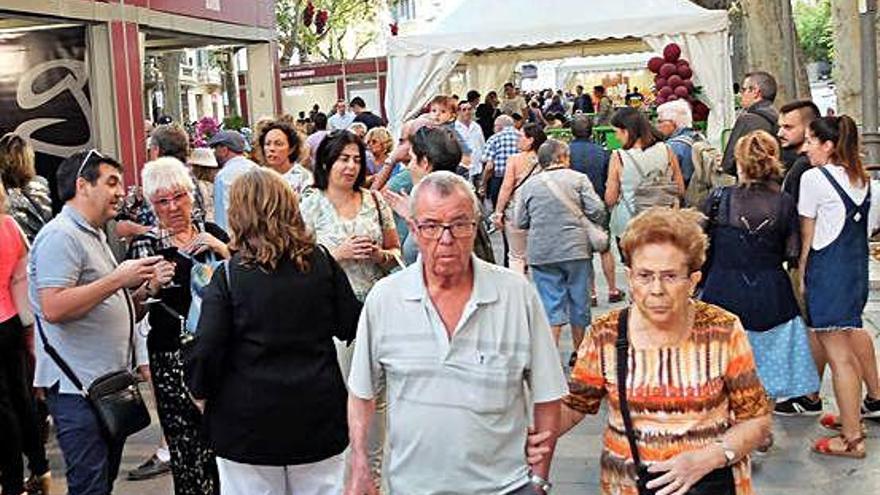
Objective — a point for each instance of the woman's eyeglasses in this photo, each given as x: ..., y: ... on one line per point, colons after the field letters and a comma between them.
x: 163, y: 203
x: 666, y: 278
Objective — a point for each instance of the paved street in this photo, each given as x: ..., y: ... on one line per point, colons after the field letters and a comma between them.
x: 788, y: 468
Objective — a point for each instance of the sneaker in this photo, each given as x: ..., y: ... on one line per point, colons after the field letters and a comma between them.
x: 799, y: 406
x: 871, y: 408
x: 39, y: 485
x: 152, y: 468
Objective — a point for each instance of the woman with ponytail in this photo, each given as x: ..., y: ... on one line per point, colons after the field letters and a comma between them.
x: 753, y: 233
x: 834, y: 203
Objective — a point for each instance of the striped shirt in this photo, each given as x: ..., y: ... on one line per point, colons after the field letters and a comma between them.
x: 681, y: 397
x: 466, y: 391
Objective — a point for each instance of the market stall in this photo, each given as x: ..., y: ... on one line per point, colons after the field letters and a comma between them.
x: 489, y: 37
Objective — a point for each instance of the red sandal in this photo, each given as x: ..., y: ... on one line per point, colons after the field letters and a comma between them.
x: 832, y: 422
x: 853, y: 448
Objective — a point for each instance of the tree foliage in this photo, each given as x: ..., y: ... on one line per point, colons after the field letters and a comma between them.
x: 305, y: 41
x: 813, y: 21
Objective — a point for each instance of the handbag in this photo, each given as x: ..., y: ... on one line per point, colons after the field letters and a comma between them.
x: 398, y: 262
x: 717, y: 482
x: 19, y: 286
x: 114, y: 397
x: 597, y: 236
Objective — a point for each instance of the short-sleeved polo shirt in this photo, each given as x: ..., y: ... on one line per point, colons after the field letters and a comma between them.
x: 69, y: 252
x: 464, y: 395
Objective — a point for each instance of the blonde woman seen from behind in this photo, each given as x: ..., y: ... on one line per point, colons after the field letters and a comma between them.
x: 265, y: 362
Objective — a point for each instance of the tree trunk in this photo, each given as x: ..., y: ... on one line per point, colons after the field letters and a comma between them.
x: 847, y: 63
x: 230, y: 82
x: 767, y: 50
x: 171, y: 75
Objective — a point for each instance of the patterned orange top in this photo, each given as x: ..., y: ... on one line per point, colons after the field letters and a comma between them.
x: 681, y: 397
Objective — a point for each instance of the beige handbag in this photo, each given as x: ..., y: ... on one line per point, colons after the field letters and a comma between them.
x: 597, y: 236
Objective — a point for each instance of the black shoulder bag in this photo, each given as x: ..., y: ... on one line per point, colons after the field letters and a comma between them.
x: 717, y: 482
x: 115, y: 396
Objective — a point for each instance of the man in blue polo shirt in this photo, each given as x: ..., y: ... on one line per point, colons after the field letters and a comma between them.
x: 79, y: 294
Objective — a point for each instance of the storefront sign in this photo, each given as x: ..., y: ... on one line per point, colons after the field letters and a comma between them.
x: 44, y: 92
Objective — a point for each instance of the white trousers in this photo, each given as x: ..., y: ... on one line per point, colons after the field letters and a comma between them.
x: 319, y: 478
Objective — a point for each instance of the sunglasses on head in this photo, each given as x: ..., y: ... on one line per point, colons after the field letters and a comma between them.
x: 92, y: 152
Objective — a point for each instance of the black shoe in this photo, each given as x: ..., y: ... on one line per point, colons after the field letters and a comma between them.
x: 871, y: 408
x: 799, y: 406
x: 616, y: 296
x: 572, y: 359
x: 152, y: 468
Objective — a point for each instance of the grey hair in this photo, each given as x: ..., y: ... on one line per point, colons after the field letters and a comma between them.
x: 504, y: 121
x: 357, y: 125
x: 678, y: 111
x: 164, y: 174
x: 444, y: 182
x: 551, y: 152
x: 765, y: 82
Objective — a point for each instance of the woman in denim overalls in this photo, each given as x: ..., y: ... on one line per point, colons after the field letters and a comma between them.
x: 834, y: 262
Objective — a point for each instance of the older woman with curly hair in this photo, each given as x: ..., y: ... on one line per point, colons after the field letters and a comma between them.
x: 685, y: 405
x: 379, y: 143
x: 264, y: 361
x: 754, y: 232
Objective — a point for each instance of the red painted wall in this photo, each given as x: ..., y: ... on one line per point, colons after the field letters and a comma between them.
x: 259, y: 13
x: 130, y: 130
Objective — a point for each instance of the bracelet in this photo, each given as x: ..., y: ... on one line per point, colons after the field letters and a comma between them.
x: 540, y: 482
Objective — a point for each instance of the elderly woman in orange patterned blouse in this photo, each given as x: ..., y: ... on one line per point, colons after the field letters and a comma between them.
x: 696, y: 405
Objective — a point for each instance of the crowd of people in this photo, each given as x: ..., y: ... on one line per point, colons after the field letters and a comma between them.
x: 319, y: 310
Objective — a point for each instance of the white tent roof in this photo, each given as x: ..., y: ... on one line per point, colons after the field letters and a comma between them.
x: 489, y: 37
x: 498, y: 24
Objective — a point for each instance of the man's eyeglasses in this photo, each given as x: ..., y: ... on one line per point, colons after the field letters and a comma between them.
x: 92, y: 152
x: 666, y: 278
x: 457, y: 229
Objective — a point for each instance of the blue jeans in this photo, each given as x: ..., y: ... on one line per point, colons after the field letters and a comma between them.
x: 564, y: 289
x: 92, y: 462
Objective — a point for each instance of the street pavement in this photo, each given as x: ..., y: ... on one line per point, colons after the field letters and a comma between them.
x: 788, y: 468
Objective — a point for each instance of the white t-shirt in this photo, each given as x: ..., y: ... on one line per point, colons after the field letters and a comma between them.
x: 819, y: 200
x: 473, y: 135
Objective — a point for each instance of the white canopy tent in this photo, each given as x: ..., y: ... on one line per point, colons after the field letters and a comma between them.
x: 489, y: 37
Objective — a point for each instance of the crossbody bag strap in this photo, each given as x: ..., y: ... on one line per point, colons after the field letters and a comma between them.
x: 523, y: 181
x: 379, y: 214
x: 554, y: 188
x: 53, y: 353
x: 622, y: 346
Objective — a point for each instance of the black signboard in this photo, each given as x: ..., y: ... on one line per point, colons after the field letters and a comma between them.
x: 44, y: 93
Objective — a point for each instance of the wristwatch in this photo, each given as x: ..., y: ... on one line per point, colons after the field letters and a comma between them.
x: 729, y: 454
x: 540, y: 482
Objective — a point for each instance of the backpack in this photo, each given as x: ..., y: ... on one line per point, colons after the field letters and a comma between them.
x: 655, y: 188
x: 708, y: 174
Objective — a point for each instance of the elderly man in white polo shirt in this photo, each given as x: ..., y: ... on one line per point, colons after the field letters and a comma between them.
x: 456, y: 341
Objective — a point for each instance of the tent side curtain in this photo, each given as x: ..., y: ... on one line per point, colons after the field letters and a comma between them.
x: 414, y: 81
x: 709, y: 55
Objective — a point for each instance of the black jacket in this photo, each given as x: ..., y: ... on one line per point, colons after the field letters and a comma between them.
x: 265, y: 362
x: 762, y: 116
